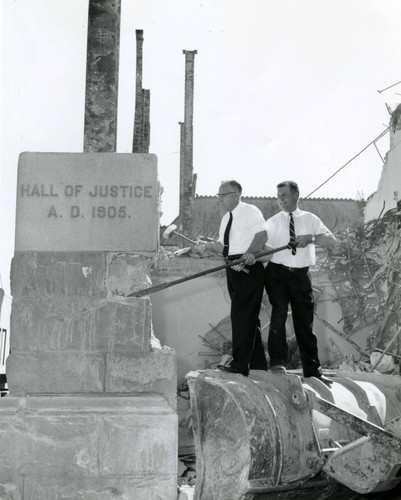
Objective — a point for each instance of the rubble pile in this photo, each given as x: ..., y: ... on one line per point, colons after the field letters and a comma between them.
x: 365, y: 272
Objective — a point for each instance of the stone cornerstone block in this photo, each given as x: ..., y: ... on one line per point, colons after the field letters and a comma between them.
x: 77, y: 201
x: 78, y: 274
x: 67, y: 274
x: 94, y: 448
x: 84, y: 325
x: 67, y: 372
x: 60, y: 372
x: 155, y: 371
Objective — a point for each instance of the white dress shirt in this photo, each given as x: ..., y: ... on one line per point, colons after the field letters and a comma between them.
x: 248, y: 220
x: 278, y: 234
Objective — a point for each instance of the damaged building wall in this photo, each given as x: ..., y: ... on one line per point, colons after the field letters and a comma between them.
x: 336, y: 213
x: 388, y: 194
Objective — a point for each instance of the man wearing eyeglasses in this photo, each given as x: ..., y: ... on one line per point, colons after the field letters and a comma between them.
x: 242, y: 234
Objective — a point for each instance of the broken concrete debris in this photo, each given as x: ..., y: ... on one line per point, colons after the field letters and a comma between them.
x: 365, y: 272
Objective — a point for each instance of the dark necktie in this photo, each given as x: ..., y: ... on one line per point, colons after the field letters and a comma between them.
x: 226, y: 236
x: 292, y: 235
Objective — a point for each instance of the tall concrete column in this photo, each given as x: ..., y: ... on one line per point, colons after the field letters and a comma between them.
x: 145, y: 129
x: 187, y: 182
x: 136, y: 145
x: 141, y: 141
x: 102, y: 64
x: 182, y: 176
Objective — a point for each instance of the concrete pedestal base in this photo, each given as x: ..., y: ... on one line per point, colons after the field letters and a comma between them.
x: 93, y: 447
x: 91, y: 411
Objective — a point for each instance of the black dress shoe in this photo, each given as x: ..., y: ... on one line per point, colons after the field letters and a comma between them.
x: 325, y: 380
x: 231, y: 369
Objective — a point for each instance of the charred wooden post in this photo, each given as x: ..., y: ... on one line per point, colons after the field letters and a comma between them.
x: 187, y: 191
x: 102, y: 63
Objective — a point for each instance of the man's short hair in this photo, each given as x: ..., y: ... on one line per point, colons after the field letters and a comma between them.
x: 291, y: 184
x: 235, y: 185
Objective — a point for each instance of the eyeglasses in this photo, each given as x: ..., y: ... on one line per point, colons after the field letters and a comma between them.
x: 221, y: 195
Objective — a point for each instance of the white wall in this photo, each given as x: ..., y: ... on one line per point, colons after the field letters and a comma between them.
x: 389, y: 189
x: 183, y: 312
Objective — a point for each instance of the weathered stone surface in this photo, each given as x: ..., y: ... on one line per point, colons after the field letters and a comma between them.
x: 77, y: 201
x: 77, y: 274
x: 55, y: 372
x: 100, y: 419
x: 126, y: 273
x: 155, y: 487
x: 138, y: 372
x: 67, y: 372
x: 83, y: 325
x: 102, y: 61
x: 88, y: 447
x: 145, y: 434
x: 68, y: 274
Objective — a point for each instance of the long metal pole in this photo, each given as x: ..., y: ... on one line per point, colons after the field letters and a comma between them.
x: 163, y: 286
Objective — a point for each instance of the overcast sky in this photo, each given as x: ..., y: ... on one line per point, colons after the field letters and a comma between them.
x: 284, y: 89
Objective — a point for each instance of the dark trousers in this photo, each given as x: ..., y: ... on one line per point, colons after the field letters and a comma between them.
x: 246, y: 291
x: 291, y: 287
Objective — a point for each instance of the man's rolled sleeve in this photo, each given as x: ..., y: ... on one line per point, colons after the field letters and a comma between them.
x: 318, y: 227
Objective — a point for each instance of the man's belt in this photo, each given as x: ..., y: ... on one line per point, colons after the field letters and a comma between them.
x: 290, y: 269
